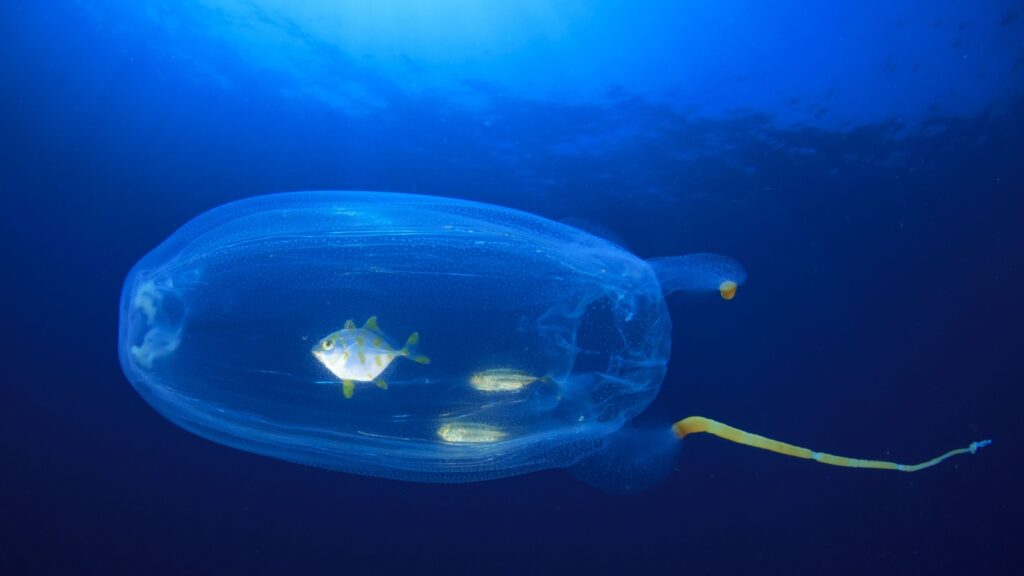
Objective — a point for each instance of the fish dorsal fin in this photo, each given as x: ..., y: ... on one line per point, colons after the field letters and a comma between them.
x: 349, y: 324
x: 371, y: 324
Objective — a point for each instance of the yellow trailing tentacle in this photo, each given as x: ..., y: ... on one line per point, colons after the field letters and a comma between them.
x: 696, y: 424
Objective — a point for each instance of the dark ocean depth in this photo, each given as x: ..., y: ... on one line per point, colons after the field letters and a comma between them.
x: 864, y: 161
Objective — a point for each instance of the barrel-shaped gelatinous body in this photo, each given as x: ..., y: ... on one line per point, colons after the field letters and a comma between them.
x: 542, y: 339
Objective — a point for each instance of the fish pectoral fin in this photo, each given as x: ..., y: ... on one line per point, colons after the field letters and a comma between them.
x: 381, y: 384
x: 371, y: 324
x: 420, y: 359
x: 348, y: 387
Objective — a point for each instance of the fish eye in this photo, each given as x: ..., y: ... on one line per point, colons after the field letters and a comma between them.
x: 327, y: 344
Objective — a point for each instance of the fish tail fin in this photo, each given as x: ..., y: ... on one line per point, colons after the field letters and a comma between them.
x: 411, y: 349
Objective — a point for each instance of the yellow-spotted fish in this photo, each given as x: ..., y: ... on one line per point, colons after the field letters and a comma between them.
x: 362, y: 354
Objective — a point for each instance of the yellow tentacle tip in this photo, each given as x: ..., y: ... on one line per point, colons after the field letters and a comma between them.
x: 727, y: 289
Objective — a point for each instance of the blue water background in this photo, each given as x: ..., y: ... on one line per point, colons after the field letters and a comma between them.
x: 863, y: 160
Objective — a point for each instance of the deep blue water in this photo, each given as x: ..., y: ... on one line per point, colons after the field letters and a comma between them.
x: 862, y: 160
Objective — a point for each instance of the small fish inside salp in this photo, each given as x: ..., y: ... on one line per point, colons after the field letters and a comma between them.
x: 363, y: 354
x: 502, y: 380
x: 470, y: 433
